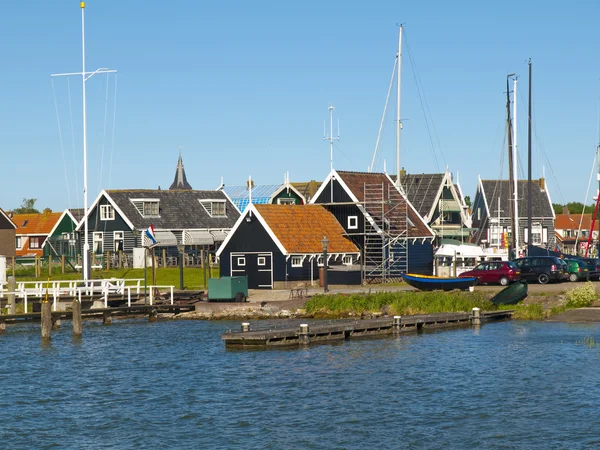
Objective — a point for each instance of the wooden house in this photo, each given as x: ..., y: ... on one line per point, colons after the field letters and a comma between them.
x: 491, y: 215
x: 7, y: 235
x: 118, y: 219
x: 391, y: 235
x: 572, y: 232
x: 32, y: 231
x: 264, y: 194
x: 63, y: 239
x: 277, y: 244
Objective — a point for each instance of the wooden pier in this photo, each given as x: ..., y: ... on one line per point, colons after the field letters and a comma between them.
x: 346, y: 329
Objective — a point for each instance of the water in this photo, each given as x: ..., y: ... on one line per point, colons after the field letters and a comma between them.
x: 174, y: 385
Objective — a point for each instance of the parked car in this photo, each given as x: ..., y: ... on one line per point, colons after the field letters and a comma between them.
x: 594, y: 267
x: 543, y: 269
x: 502, y: 272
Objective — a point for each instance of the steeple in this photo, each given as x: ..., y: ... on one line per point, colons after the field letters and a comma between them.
x: 180, y: 181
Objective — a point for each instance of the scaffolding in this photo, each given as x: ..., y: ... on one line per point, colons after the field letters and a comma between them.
x: 385, y: 248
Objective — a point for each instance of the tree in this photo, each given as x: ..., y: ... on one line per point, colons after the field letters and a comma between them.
x: 468, y: 200
x: 27, y: 207
x: 573, y: 208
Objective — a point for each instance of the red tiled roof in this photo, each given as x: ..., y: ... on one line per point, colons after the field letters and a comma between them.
x: 356, y: 183
x: 35, y: 224
x: 300, y: 228
x: 572, y: 221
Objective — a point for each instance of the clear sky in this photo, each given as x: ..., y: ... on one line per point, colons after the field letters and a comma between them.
x: 243, y: 87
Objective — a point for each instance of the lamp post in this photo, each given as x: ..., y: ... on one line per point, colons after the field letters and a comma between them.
x: 325, y: 244
x: 181, y: 249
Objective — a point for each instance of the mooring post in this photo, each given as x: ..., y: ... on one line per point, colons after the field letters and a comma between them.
x: 46, y: 319
x: 303, y: 337
x: 77, y: 323
x: 476, y: 317
x: 245, y: 326
x: 11, y: 295
x: 397, y: 324
x: 106, y: 318
x: 153, y: 315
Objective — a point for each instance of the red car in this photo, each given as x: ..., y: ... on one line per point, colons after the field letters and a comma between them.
x: 501, y: 272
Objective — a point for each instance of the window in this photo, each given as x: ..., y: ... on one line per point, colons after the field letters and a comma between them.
x: 446, y: 216
x: 98, y: 237
x: 118, y: 240
x: 215, y: 208
x: 241, y: 261
x: 34, y: 242
x: 262, y: 261
x: 150, y: 209
x: 347, y: 260
x: 495, y: 235
x: 320, y: 261
x: 536, y: 234
x: 353, y: 222
x: 479, y: 213
x: 107, y: 212
x: 19, y: 242
x: 297, y: 261
x: 147, y: 207
x: 286, y: 201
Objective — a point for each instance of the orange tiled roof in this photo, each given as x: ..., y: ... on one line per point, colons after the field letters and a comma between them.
x: 564, y: 222
x: 300, y: 228
x: 40, y: 224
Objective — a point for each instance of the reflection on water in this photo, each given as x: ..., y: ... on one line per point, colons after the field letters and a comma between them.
x: 173, y: 385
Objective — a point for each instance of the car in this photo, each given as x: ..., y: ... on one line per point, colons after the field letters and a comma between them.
x: 578, y: 269
x: 502, y: 272
x: 543, y: 269
x: 594, y: 267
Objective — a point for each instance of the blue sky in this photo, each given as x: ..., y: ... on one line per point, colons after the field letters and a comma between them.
x: 243, y: 88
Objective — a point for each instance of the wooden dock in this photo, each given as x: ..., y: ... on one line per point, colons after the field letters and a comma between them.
x: 347, y: 329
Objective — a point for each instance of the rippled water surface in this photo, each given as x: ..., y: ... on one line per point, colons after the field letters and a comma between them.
x: 174, y: 385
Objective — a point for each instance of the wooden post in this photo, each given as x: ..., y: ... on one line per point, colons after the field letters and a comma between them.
x: 93, y: 261
x: 77, y: 322
x: 303, y: 337
x: 397, y: 324
x: 476, y: 317
x: 153, y: 315
x: 120, y: 259
x: 46, y: 319
x: 36, y: 266
x: 49, y: 265
x: 183, y: 257
x: 13, y: 266
x: 79, y: 260
x: 106, y: 318
x: 164, y: 257
x: 11, y: 286
x: 107, y: 260
x: 202, y: 258
x: 62, y: 264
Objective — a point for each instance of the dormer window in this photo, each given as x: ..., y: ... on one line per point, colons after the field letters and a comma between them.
x: 147, y: 207
x: 214, y: 208
x: 107, y: 212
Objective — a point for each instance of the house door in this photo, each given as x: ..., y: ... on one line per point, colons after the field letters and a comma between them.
x: 258, y: 267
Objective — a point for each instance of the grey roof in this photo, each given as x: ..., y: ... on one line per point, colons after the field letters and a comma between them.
x: 421, y: 189
x: 77, y: 213
x: 179, y: 209
x: 180, y: 181
x: 499, y: 189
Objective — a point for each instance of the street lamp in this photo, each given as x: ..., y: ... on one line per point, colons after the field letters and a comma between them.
x: 325, y: 244
x: 181, y: 249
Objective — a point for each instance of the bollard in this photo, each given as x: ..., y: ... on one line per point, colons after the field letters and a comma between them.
x: 46, y: 319
x: 476, y: 318
x: 12, y: 308
x: 303, y: 337
x: 245, y: 326
x: 397, y: 324
x: 77, y: 323
x: 106, y: 318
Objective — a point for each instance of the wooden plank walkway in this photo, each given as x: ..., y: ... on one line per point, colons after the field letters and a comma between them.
x: 347, y: 329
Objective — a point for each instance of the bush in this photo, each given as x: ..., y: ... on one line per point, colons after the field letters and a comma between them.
x: 581, y: 296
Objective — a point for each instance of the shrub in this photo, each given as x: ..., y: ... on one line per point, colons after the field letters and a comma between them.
x: 581, y: 296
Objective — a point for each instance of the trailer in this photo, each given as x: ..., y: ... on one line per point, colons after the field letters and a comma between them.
x: 228, y: 289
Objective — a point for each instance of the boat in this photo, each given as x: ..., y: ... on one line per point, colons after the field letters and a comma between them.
x: 433, y: 283
x: 454, y: 257
x: 512, y: 294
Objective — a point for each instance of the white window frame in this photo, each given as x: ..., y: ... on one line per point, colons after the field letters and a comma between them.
x: 118, y: 236
x: 320, y: 261
x: 98, y: 236
x: 286, y: 201
x: 479, y: 213
x: 107, y: 212
x: 19, y: 242
x: 353, y: 222
x: 261, y: 261
x: 495, y: 234
x: 151, y: 204
x: 297, y: 261
x: 209, y: 207
x: 241, y: 261
x: 536, y: 233
x: 37, y: 240
x: 347, y: 260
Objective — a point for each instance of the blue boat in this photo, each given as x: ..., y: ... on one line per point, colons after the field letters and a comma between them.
x: 431, y: 283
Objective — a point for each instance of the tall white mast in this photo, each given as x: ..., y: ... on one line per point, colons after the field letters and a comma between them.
x: 514, y: 168
x: 399, y: 120
x: 330, y: 138
x: 84, y: 76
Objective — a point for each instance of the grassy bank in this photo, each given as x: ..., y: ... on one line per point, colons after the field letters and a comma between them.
x: 416, y: 302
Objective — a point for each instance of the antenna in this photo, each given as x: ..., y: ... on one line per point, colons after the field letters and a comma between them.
x: 330, y: 138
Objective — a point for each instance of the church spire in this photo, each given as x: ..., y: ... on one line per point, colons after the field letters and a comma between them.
x: 180, y: 181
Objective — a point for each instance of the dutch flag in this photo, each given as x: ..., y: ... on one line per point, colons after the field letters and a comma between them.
x: 150, y: 234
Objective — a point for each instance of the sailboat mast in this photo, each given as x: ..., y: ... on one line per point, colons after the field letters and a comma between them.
x: 529, y: 206
x: 398, y: 119
x: 511, y: 245
x: 514, y: 168
x: 86, y: 245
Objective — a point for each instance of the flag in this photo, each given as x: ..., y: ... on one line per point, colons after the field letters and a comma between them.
x: 150, y: 234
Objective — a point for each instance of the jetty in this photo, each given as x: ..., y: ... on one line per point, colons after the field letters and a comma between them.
x: 344, y: 329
